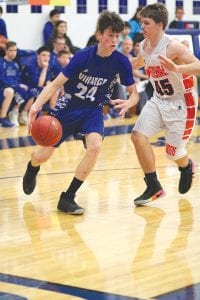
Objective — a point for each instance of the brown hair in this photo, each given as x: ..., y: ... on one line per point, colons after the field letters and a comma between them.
x: 157, y: 12
x: 111, y: 20
x: 10, y: 44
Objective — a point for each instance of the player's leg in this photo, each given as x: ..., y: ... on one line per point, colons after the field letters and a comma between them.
x: 66, y: 202
x: 178, y: 137
x: 149, y: 123
x: 38, y: 157
x: 8, y: 94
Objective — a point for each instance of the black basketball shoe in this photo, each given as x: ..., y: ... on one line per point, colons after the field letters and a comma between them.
x: 153, y: 192
x: 68, y: 205
x: 29, y: 179
x: 185, y: 181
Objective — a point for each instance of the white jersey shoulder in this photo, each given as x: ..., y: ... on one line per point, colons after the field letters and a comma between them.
x: 166, y: 84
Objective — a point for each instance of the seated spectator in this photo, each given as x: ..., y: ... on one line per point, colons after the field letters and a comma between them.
x: 36, y: 75
x: 58, y: 45
x: 124, y: 34
x: 60, y: 30
x: 12, y: 92
x: 3, y: 31
x: 63, y: 58
x: 179, y: 13
x: 135, y: 24
x: 54, y: 16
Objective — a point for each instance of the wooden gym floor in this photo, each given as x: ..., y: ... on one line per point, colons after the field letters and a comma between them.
x: 115, y: 251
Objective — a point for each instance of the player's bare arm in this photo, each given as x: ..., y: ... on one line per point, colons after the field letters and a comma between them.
x: 180, y: 59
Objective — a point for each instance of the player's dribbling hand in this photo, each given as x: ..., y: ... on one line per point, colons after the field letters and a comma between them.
x: 121, y: 105
x: 32, y: 116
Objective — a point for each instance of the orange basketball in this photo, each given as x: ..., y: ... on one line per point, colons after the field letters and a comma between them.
x: 46, y: 131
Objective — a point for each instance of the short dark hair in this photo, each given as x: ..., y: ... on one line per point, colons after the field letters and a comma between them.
x: 139, y: 37
x: 10, y: 44
x: 42, y: 49
x: 54, y: 12
x: 179, y: 8
x: 157, y: 12
x: 61, y: 52
x: 111, y: 20
x: 126, y: 24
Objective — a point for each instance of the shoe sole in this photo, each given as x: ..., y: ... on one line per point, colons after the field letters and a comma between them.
x: 79, y: 211
x: 156, y: 196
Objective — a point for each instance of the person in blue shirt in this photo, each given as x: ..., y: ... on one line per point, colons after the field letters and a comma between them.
x: 58, y: 45
x: 134, y: 22
x: 54, y: 16
x: 88, y: 82
x: 36, y: 75
x: 3, y: 29
x: 13, y: 93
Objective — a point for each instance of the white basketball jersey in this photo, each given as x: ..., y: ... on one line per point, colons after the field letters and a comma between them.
x: 166, y: 84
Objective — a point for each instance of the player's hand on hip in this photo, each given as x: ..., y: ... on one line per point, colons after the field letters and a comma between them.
x: 121, y: 105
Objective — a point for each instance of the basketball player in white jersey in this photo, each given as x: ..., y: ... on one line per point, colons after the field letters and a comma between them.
x: 173, y: 105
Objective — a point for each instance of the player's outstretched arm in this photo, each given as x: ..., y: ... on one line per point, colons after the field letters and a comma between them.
x: 192, y: 68
x: 180, y: 59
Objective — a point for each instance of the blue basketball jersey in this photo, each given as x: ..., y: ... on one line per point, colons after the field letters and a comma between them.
x: 91, y: 77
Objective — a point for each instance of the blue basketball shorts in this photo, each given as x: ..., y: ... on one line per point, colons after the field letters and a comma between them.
x: 76, y: 116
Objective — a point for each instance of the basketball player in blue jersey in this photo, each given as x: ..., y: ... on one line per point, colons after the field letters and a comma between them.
x: 173, y: 105
x: 88, y: 82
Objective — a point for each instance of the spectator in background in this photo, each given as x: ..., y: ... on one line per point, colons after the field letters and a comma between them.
x: 63, y: 58
x: 58, y: 45
x: 60, y: 30
x: 60, y: 60
x: 134, y: 22
x: 141, y: 78
x: 12, y: 92
x: 92, y: 40
x: 179, y: 13
x: 144, y: 86
x: 54, y: 16
x: 36, y: 76
x: 3, y: 31
x: 124, y: 34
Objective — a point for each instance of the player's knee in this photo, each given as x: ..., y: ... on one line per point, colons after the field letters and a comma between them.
x: 136, y: 137
x: 174, y: 153
x: 8, y: 92
x: 94, y: 148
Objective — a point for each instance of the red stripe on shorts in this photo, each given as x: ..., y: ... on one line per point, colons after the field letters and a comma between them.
x: 191, y: 111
